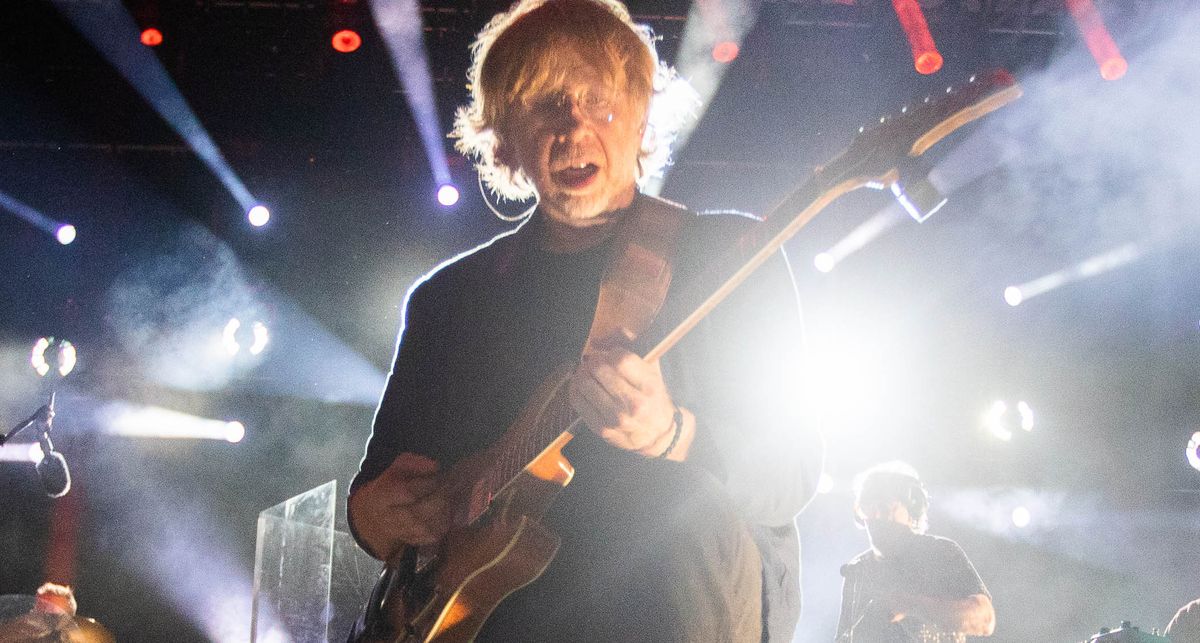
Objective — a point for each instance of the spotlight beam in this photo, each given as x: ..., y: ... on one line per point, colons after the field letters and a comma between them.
x: 400, y: 26
x: 709, y: 22
x: 1099, y: 264
x: 37, y: 219
x: 112, y: 31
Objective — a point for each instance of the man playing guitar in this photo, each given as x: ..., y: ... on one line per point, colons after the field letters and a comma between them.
x: 690, y: 469
x: 909, y: 586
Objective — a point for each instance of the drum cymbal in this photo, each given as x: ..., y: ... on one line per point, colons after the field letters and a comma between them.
x: 42, y: 627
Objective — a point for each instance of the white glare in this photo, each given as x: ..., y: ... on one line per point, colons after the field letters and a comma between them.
x: 1021, y: 517
x: 38, y: 358
x: 825, y: 483
x: 66, y: 358
x: 131, y: 420
x: 1026, y: 416
x: 65, y: 234
x: 1013, y: 296
x: 229, y: 336
x: 824, y: 262
x: 993, y: 421
x: 1193, y: 451
x: 261, y: 337
x: 447, y: 195
x: 234, y: 432
x: 21, y: 452
x: 259, y: 215
x: 62, y: 353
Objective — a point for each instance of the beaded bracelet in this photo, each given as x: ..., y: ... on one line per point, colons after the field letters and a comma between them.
x: 677, y: 424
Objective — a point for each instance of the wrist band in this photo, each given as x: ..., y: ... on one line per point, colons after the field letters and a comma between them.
x: 677, y: 424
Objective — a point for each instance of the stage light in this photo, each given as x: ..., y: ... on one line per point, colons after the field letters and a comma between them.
x: 261, y: 337
x: 232, y: 343
x: 258, y: 216
x: 112, y: 31
x: 21, y: 452
x: 65, y: 234
x: 824, y: 262
x: 825, y: 483
x: 234, y: 432
x: 50, y: 353
x: 229, y: 336
x: 926, y: 58
x: 347, y: 41
x: 151, y: 37
x: 725, y: 51
x: 1026, y: 414
x: 136, y: 421
x: 402, y: 28
x: 993, y: 421
x: 38, y: 358
x: 1021, y: 517
x: 1193, y: 451
x: 1105, y: 52
x: 1090, y: 267
x: 447, y: 195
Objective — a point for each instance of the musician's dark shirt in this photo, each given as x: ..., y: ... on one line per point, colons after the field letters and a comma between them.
x: 923, y: 565
x: 483, y: 331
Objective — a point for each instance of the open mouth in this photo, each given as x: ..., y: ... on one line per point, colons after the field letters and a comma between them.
x: 576, y: 177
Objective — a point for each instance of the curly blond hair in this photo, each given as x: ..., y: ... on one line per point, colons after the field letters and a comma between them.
x: 513, y: 59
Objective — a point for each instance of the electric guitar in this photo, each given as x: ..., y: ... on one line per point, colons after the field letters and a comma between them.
x: 445, y: 593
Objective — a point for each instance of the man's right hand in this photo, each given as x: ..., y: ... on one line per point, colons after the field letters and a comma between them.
x: 406, y: 505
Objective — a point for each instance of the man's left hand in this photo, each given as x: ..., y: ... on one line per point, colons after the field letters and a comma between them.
x: 622, y: 398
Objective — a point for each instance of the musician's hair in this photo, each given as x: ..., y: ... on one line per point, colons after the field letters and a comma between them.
x: 514, y: 58
x: 888, y: 482
x: 52, y: 597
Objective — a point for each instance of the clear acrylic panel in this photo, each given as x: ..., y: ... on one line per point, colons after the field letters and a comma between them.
x: 310, y: 578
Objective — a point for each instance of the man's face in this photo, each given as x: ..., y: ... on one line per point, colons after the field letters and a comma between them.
x: 579, y: 143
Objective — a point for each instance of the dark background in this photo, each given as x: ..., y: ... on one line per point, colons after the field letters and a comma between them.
x: 910, y: 337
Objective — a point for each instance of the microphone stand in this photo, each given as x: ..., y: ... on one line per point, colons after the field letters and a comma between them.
x: 43, y: 422
x: 43, y: 418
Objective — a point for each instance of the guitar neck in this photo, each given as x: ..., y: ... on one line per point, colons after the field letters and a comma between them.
x: 681, y: 313
x: 886, y: 155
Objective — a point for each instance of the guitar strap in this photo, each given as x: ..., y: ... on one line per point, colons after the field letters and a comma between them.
x: 638, y: 276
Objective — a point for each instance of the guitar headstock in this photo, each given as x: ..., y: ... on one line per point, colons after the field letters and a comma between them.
x: 886, y: 152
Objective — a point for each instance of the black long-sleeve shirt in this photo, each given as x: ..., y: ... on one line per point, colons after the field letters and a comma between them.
x: 481, y: 332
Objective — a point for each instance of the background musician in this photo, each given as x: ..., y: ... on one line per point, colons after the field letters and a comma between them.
x: 909, y: 586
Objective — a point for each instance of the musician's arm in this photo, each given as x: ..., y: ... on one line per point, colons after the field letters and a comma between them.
x: 393, y: 498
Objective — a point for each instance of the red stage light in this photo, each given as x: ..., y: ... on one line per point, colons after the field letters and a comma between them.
x: 725, y: 51
x: 346, y: 41
x: 152, y: 37
x: 1099, y: 42
x: 925, y: 54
